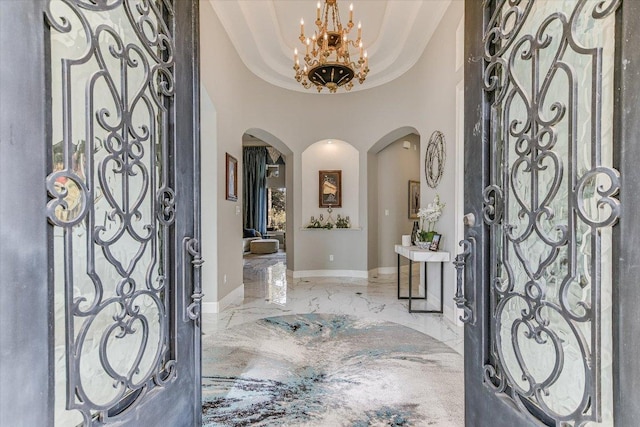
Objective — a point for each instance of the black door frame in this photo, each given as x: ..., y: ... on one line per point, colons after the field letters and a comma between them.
x: 25, y: 333
x: 626, y: 235
x: 482, y: 406
x: 26, y: 293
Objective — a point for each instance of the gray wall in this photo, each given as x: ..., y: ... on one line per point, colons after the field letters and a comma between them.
x: 209, y: 181
x: 441, y: 78
x: 396, y: 166
x: 372, y: 209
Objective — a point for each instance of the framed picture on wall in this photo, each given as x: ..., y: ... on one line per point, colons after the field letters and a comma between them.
x: 273, y: 171
x: 414, y: 199
x: 330, y: 191
x: 231, y: 179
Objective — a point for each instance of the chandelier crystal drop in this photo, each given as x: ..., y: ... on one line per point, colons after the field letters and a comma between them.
x: 327, y: 60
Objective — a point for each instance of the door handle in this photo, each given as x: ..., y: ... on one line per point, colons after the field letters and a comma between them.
x: 469, y: 220
x: 191, y: 247
x: 460, y: 299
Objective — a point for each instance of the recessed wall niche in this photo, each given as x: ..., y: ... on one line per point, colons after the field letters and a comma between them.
x: 331, y: 154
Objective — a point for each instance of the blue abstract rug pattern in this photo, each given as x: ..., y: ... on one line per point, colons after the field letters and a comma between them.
x: 329, y: 370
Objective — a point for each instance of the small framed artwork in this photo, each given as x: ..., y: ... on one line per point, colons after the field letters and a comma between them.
x: 273, y: 171
x: 330, y: 191
x: 414, y: 199
x: 231, y: 181
x: 435, y: 242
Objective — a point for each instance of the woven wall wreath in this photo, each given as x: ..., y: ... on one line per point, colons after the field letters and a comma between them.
x: 434, y: 159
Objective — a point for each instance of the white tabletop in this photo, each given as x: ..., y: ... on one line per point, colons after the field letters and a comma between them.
x: 414, y: 253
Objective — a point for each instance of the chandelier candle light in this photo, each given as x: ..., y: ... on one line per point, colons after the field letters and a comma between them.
x: 327, y: 61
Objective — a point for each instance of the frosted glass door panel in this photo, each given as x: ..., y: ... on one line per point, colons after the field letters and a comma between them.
x: 111, y: 204
x: 550, y: 205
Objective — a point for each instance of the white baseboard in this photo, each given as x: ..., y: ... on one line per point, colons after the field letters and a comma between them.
x: 454, y: 315
x: 216, y: 307
x: 331, y: 273
x: 347, y: 273
x: 210, y: 307
x: 386, y: 270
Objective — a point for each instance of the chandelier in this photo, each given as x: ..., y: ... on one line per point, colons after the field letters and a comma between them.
x: 327, y: 61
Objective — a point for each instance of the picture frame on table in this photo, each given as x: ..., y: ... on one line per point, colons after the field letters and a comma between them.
x: 435, y: 242
x: 231, y: 178
x: 330, y: 189
x: 414, y: 199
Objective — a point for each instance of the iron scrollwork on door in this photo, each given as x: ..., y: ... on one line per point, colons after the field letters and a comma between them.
x: 112, y: 204
x: 549, y: 205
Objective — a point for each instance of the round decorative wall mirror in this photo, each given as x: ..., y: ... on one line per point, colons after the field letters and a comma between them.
x: 434, y: 159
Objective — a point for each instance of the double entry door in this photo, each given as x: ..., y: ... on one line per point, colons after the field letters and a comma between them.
x: 547, y: 282
x: 100, y: 252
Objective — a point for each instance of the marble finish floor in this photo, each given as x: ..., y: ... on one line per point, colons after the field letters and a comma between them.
x: 328, y: 352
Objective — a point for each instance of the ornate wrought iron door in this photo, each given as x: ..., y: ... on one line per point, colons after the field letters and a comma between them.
x: 542, y: 185
x: 122, y: 298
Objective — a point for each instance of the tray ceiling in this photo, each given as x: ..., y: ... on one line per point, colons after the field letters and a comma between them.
x: 265, y: 32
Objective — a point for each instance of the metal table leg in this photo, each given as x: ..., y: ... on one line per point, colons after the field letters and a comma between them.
x: 410, y: 284
x: 410, y: 272
x: 398, y: 276
x: 425, y: 290
x: 425, y: 280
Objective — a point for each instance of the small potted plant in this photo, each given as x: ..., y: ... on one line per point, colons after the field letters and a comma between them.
x: 423, y: 239
x: 315, y: 223
x: 429, y: 215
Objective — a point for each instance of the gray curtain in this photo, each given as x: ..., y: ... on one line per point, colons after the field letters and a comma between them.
x: 254, y: 190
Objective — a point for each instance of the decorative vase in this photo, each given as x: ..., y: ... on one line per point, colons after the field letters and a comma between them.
x: 423, y: 245
x: 414, y: 232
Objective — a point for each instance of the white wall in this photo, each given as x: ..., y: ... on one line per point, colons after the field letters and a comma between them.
x: 423, y: 99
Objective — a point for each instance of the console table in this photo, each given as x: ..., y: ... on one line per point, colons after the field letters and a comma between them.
x: 415, y: 254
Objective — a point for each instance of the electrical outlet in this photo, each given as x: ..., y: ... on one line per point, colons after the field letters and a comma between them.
x: 237, y: 210
x: 386, y: 212
x: 225, y: 279
x: 330, y: 257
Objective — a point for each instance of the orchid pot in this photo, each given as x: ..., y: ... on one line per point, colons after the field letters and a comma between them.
x: 429, y: 215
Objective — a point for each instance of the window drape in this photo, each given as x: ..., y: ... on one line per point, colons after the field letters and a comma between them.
x: 254, y: 190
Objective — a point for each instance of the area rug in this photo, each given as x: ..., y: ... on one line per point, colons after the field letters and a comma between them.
x: 329, y: 370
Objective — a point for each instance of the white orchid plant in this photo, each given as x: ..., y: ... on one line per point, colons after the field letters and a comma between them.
x: 431, y: 214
